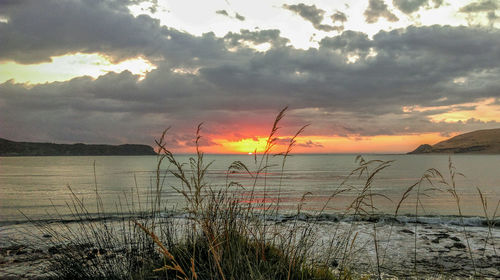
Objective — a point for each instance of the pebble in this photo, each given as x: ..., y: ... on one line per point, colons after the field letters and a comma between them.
x: 54, y: 249
x: 454, y: 238
x: 457, y: 245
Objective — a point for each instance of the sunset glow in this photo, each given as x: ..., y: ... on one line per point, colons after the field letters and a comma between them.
x: 484, y: 111
x: 322, y: 144
x: 369, y: 76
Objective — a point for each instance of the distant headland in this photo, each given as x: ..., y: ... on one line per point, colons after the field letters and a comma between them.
x: 477, y: 142
x: 12, y: 148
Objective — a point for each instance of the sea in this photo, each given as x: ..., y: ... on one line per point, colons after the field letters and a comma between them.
x: 314, y: 185
x: 453, y: 204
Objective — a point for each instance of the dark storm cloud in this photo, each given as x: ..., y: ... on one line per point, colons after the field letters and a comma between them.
x: 229, y: 86
x: 377, y: 9
x: 411, y: 6
x: 312, y: 14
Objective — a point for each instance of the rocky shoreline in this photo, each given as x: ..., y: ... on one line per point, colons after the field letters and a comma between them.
x: 441, y: 250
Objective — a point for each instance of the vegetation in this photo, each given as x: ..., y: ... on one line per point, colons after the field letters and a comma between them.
x: 11, y: 148
x: 224, y: 236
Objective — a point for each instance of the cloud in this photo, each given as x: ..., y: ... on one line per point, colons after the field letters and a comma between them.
x: 225, y: 13
x: 306, y: 144
x: 483, y: 6
x: 377, y: 9
x: 239, y: 17
x: 37, y: 30
x: 489, y: 7
x: 222, y: 12
x: 271, y: 36
x: 492, y: 17
x: 237, y: 90
x: 189, y: 140
x: 310, y: 144
x: 411, y: 6
x: 312, y: 14
x: 348, y: 41
x: 339, y: 16
x: 363, y: 98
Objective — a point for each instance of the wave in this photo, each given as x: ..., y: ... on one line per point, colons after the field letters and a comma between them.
x: 469, y: 221
x: 453, y: 220
x: 67, y: 219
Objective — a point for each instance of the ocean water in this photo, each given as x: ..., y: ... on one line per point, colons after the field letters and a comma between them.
x: 39, y: 187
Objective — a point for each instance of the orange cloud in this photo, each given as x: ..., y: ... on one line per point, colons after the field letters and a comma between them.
x: 484, y: 110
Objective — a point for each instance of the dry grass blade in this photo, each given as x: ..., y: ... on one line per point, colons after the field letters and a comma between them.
x: 175, y: 266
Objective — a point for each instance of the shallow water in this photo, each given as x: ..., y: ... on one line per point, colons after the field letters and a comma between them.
x: 38, y: 186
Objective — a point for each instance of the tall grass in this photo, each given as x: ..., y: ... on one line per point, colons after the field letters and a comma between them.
x: 226, y: 233
x: 220, y: 238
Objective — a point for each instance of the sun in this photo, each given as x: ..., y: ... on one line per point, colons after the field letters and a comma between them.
x: 243, y: 146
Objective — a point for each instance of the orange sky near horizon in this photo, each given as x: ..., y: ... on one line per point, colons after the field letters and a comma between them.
x: 485, y: 110
x: 323, y: 144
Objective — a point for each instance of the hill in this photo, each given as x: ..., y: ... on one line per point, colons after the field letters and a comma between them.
x: 477, y: 142
x: 12, y: 148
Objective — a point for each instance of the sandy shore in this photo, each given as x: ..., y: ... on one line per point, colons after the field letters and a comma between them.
x: 441, y: 250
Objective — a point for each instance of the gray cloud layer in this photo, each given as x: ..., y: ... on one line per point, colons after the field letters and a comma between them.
x: 483, y: 6
x: 235, y: 86
x: 411, y: 6
x: 39, y: 29
x: 488, y: 6
x: 378, y: 9
x: 314, y: 15
x: 339, y: 16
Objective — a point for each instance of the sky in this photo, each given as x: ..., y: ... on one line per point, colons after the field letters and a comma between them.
x: 367, y: 76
